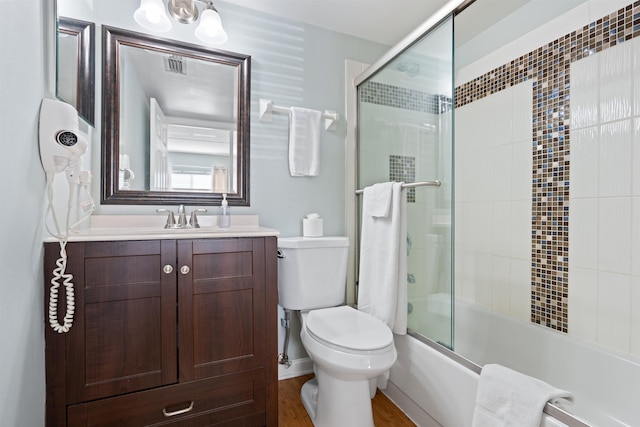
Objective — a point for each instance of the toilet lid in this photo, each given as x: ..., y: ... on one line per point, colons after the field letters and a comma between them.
x: 348, y: 328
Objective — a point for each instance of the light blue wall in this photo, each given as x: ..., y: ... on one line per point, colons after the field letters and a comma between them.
x: 293, y: 64
x: 22, y: 86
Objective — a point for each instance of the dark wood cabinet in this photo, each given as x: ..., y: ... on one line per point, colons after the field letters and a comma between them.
x: 166, y: 332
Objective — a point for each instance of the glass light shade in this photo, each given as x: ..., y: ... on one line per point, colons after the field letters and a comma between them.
x: 152, y: 16
x: 210, y: 28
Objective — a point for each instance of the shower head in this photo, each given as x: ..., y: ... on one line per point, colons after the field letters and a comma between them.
x: 411, y: 68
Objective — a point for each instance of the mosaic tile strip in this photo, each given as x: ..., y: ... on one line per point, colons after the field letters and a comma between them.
x: 548, y: 67
x: 400, y: 97
x: 403, y: 169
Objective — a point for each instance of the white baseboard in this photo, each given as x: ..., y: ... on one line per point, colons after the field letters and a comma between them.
x: 298, y: 368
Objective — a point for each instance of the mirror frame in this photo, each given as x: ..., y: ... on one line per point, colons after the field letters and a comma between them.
x: 85, y: 72
x: 112, y: 40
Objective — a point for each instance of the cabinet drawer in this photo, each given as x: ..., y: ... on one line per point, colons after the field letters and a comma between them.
x: 235, y: 399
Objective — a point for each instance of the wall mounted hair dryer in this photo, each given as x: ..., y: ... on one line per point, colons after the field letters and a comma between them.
x: 61, y: 144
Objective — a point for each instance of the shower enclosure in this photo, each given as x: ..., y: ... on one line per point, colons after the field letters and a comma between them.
x: 405, y: 134
x: 544, y: 205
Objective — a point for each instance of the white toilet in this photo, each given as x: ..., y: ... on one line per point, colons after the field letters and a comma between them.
x: 349, y: 348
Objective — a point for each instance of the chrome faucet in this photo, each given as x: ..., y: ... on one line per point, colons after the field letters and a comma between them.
x: 193, y: 219
x: 182, y: 218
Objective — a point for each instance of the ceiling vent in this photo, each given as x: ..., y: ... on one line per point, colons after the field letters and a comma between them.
x: 175, y: 64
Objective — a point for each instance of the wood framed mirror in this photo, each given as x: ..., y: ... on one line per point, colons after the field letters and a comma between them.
x: 175, y: 122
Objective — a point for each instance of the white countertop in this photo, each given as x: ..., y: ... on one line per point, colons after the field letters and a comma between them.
x: 151, y: 227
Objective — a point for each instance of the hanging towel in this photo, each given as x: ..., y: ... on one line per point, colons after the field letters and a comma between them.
x: 378, y: 199
x: 304, y: 142
x: 507, y: 398
x: 382, y: 289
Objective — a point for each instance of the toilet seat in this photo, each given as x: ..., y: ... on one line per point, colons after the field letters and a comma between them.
x: 349, y: 330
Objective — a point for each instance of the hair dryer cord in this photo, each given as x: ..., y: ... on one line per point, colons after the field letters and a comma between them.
x: 59, y: 273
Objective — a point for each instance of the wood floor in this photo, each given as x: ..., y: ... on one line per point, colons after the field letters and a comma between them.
x: 291, y: 413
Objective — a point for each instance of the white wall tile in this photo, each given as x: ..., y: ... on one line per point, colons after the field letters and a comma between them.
x: 522, y: 111
x: 521, y: 160
x: 583, y: 233
x: 484, y: 124
x: 502, y: 172
x: 467, y: 226
x: 635, y: 150
x: 635, y: 47
x: 520, y: 247
x: 583, y: 303
x: 484, y: 274
x: 464, y: 129
x: 457, y: 272
x: 501, y: 282
x: 635, y: 316
x: 584, y: 162
x: 484, y: 227
x: 502, y: 105
x: 614, y: 235
x: 464, y: 171
x: 502, y: 230
x: 585, y: 92
x: 466, y: 285
x: 484, y: 180
x: 614, y: 162
x: 635, y: 236
x: 615, y: 83
x: 521, y: 289
x: 614, y: 310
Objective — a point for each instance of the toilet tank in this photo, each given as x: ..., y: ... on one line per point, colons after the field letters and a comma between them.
x: 312, y: 272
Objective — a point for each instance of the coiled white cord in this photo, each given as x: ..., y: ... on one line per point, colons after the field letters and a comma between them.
x: 59, y: 273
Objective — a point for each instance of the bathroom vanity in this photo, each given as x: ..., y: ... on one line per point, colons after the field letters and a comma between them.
x: 171, y: 328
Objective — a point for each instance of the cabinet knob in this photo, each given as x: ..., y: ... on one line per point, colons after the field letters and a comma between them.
x: 167, y: 269
x: 185, y: 269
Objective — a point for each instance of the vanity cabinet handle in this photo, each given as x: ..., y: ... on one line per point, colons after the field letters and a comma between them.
x: 178, y: 412
x: 185, y: 269
x: 168, y: 269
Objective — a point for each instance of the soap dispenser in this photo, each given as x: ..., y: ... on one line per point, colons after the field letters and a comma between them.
x: 224, y: 219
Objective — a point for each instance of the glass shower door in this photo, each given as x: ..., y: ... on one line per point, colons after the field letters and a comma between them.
x: 405, y: 134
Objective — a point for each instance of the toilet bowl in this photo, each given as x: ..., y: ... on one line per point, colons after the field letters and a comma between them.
x: 349, y: 348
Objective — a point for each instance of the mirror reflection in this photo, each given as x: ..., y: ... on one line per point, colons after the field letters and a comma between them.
x: 187, y: 151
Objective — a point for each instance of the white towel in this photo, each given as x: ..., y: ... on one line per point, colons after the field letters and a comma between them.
x: 378, y: 199
x: 507, y: 398
x: 382, y: 289
x: 304, y: 142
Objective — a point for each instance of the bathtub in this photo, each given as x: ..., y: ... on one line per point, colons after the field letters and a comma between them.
x: 437, y: 388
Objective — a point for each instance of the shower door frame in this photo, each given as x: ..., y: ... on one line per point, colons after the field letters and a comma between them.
x: 448, y: 11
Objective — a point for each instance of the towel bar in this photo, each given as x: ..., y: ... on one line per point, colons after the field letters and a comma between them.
x: 435, y: 183
x: 267, y: 109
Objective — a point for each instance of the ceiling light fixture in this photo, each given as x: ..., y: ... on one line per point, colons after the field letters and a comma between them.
x: 152, y: 16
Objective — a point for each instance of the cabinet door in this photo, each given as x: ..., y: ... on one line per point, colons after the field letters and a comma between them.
x: 124, y: 334
x: 221, y: 306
